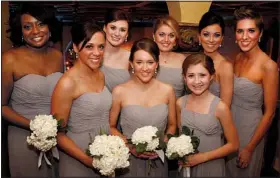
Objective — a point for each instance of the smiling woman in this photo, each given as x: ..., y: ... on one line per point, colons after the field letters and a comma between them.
x: 76, y: 99
x: 29, y: 74
x: 143, y: 101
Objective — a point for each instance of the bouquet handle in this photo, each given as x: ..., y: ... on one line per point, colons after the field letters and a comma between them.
x: 185, y: 171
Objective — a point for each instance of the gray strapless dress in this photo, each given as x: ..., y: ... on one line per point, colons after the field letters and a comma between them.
x: 31, y: 96
x: 89, y: 113
x: 215, y: 88
x: 246, y: 109
x: 172, y: 76
x: 209, y: 130
x: 136, y: 116
x: 114, y: 77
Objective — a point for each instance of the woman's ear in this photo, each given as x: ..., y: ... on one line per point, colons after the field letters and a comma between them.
x: 104, y: 28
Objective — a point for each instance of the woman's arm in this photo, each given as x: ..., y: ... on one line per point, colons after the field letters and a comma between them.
x: 8, y: 60
x: 114, y: 112
x: 171, y: 124
x: 270, y: 87
x: 226, y: 82
x: 61, y: 103
x: 178, y: 113
x: 224, y: 115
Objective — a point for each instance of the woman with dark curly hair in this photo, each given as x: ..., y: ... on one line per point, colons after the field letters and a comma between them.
x: 29, y: 73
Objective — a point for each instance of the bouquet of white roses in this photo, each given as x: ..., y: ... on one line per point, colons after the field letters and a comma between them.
x: 43, y: 136
x: 179, y: 147
x: 110, y: 153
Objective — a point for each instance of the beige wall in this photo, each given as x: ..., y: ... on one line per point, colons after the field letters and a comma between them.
x: 5, y: 42
x: 188, y: 12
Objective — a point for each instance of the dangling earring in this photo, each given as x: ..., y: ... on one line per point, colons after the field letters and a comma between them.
x: 77, y: 55
x: 235, y: 41
x: 125, y: 40
x: 259, y: 39
x: 156, y: 71
x: 50, y: 34
x: 220, y: 45
x: 132, y: 70
x: 22, y: 40
x: 199, y: 44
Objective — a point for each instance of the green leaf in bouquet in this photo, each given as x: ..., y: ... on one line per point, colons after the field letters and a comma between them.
x: 129, y: 141
x: 88, y: 152
x: 186, y: 130
x: 102, y: 132
x: 97, y: 156
x: 195, y: 142
x: 162, y: 144
x: 174, y: 156
x: 141, y: 147
x: 49, y: 138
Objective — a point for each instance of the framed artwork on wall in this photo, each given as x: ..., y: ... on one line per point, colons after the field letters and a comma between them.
x: 189, y: 40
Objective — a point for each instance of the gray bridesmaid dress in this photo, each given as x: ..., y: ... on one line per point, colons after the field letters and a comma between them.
x: 136, y: 116
x: 31, y: 96
x: 89, y: 113
x: 209, y: 130
x: 114, y: 77
x: 215, y: 88
x: 172, y: 76
x: 246, y: 109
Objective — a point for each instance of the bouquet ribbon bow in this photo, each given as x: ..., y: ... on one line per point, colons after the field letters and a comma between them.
x: 55, y: 154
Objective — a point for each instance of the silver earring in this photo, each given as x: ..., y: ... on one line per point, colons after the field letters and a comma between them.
x: 156, y: 71
x: 77, y: 55
x: 220, y: 45
x: 50, y: 34
x: 22, y: 39
x: 259, y: 39
x: 125, y: 40
x: 199, y: 44
x: 132, y: 71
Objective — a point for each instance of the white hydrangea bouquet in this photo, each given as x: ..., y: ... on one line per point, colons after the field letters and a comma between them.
x: 179, y: 147
x: 147, y: 139
x: 109, y: 153
x: 43, y: 136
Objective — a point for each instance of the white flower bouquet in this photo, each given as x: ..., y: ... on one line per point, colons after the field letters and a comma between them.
x: 43, y: 137
x: 147, y: 139
x: 110, y: 153
x: 179, y: 147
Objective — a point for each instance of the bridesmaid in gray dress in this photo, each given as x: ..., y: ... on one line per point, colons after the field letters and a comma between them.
x: 211, y: 33
x: 29, y: 74
x: 143, y: 101
x: 166, y: 34
x: 115, y: 64
x: 83, y: 101
x: 208, y: 117
x: 255, y: 84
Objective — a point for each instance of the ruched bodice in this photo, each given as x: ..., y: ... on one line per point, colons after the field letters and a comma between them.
x: 114, y: 77
x: 209, y: 130
x: 136, y: 116
x: 246, y: 110
x: 247, y: 94
x: 31, y: 96
x: 215, y: 88
x: 172, y: 76
x: 89, y: 114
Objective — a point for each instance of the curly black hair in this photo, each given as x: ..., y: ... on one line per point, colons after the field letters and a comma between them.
x: 39, y: 11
